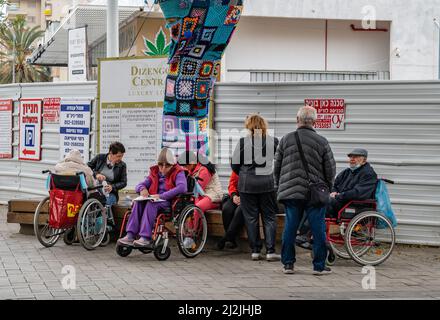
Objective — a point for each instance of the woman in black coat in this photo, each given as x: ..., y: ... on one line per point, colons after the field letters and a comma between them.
x: 253, y: 161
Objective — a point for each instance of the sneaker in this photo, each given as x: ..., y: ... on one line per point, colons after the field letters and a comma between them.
x: 188, y: 243
x: 142, y: 243
x: 126, y: 241
x: 256, y: 256
x: 288, y: 269
x: 273, y: 257
x: 324, y: 272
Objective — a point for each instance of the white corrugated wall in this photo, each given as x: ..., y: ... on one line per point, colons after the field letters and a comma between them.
x: 23, y: 179
x: 398, y: 122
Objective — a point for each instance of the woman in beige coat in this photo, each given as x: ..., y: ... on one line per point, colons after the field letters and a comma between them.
x: 72, y: 164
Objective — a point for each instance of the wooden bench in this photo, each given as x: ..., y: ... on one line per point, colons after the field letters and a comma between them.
x: 22, y: 212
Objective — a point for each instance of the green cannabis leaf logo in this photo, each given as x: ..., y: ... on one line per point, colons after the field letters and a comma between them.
x: 159, y: 48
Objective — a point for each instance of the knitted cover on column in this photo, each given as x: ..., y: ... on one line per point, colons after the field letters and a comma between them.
x: 200, y: 32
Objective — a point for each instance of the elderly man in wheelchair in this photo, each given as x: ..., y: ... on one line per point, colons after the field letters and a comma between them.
x: 354, y: 227
x: 164, y: 199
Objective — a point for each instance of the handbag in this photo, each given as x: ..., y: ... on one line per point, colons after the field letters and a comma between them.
x: 64, y: 207
x: 319, y: 192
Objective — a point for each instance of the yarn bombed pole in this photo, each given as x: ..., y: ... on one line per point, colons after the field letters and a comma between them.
x: 200, y: 32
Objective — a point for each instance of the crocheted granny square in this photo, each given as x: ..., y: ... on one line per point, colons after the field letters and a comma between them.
x: 185, y: 89
x: 202, y: 89
x: 190, y: 67
x: 197, y: 51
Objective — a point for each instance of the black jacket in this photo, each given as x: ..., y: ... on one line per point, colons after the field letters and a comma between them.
x: 119, y: 172
x: 359, y: 184
x: 253, y: 161
x: 290, y: 176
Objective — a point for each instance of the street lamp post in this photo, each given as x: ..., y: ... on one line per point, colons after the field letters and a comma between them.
x: 13, y: 56
x: 438, y: 27
x: 112, y: 28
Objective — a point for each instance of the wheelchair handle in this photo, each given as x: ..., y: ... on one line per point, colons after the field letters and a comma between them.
x: 45, y: 171
x: 94, y: 188
x: 387, y: 181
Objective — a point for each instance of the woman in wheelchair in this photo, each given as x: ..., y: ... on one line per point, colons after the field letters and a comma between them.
x: 166, y: 180
x: 73, y: 163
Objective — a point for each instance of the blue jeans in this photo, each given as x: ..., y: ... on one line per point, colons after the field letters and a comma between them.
x: 316, y: 216
x: 111, y: 200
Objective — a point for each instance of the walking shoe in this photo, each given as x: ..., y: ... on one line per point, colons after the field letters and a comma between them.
x: 221, y: 244
x: 126, y: 241
x: 142, y: 243
x: 231, y: 244
x: 256, y: 256
x: 324, y: 272
x: 288, y: 269
x: 273, y: 257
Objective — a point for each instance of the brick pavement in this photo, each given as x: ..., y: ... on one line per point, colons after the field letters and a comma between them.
x: 29, y: 271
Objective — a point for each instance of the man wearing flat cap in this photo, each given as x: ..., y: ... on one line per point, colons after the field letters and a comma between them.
x: 358, y: 182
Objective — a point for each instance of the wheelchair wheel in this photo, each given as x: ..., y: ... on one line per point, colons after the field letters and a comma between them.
x: 338, y: 248
x: 46, y: 235
x: 192, y: 231
x: 123, y: 251
x: 370, y: 238
x: 69, y: 236
x: 331, y: 257
x: 92, y: 224
x: 162, y: 256
x: 106, y: 239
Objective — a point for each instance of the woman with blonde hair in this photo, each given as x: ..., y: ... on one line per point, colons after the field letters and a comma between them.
x: 253, y: 160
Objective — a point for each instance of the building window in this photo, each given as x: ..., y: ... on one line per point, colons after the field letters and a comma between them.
x: 14, y: 5
x: 30, y: 19
x: 32, y: 4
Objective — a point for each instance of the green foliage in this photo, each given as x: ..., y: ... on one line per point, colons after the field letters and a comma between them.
x: 159, y: 47
x: 17, y: 39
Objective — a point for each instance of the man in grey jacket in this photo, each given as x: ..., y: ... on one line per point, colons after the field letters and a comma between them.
x: 293, y: 187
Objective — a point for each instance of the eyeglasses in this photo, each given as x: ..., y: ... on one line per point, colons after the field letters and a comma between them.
x: 166, y: 165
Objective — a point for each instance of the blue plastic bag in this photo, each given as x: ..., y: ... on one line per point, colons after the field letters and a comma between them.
x: 384, y: 204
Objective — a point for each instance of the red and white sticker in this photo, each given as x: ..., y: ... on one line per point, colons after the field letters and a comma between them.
x: 51, y: 110
x: 331, y: 113
x: 30, y: 129
x: 6, y: 107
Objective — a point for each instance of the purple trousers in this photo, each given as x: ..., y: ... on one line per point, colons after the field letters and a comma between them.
x: 143, y: 215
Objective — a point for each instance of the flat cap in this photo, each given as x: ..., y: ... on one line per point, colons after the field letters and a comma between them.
x: 359, y: 152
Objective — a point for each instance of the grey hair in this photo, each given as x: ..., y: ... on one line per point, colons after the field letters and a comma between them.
x: 306, y: 116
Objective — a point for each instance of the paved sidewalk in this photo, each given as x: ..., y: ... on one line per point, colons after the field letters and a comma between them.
x: 29, y: 271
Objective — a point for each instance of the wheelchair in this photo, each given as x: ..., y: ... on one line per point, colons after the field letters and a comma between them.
x: 184, y: 221
x: 359, y: 233
x: 93, y: 223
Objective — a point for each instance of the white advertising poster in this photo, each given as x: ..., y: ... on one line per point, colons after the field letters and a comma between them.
x: 130, y: 112
x: 78, y: 54
x: 30, y: 129
x: 75, y: 127
x: 6, y: 129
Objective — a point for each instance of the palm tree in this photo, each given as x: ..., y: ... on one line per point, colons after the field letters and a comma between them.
x: 16, y: 43
x: 2, y: 5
